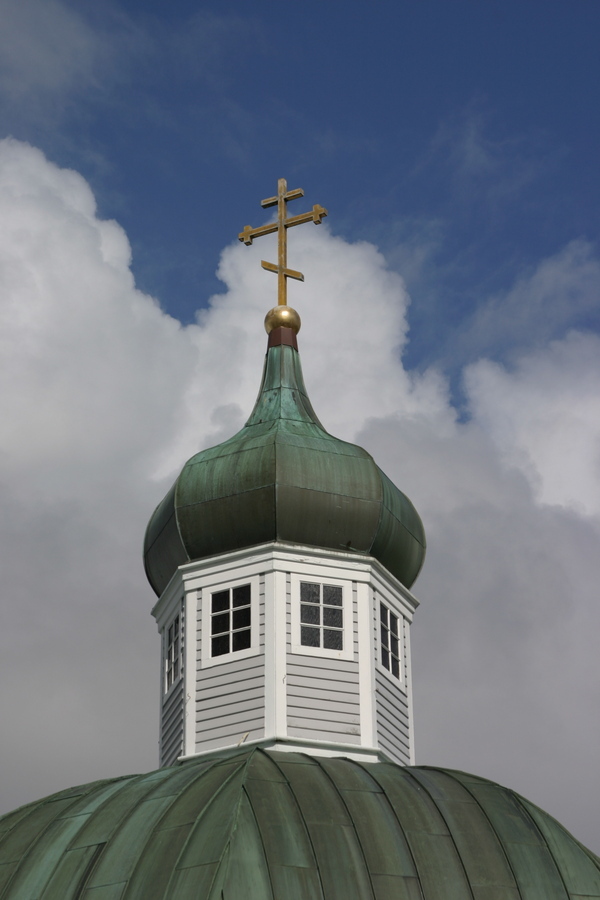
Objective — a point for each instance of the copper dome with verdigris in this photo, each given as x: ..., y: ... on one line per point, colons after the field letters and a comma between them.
x: 267, y: 825
x: 283, y: 478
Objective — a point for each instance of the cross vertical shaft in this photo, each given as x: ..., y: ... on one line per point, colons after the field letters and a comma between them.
x: 283, y: 223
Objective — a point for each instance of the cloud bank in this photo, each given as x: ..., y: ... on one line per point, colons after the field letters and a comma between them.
x: 104, y: 398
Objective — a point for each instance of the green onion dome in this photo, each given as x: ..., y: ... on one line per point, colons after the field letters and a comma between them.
x: 283, y: 478
x: 264, y: 825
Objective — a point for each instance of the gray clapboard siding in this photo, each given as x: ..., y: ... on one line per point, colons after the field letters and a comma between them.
x: 223, y: 709
x: 323, y: 699
x: 230, y: 697
x: 171, y: 742
x: 392, y: 718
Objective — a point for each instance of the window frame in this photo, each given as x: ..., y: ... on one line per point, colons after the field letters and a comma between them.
x: 179, y: 614
x: 348, y: 618
x: 208, y: 590
x: 380, y: 601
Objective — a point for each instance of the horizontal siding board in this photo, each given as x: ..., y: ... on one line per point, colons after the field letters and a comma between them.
x: 340, y: 720
x: 393, y: 723
x: 171, y: 753
x: 231, y: 713
x: 300, y: 661
x: 226, y: 688
x: 229, y: 673
x: 230, y: 699
x: 297, y: 730
x: 322, y: 677
x: 393, y: 735
x: 215, y: 743
x: 393, y: 741
x: 317, y: 703
x: 392, y: 712
x: 392, y: 728
x: 232, y: 726
x: 171, y: 745
x: 389, y: 687
x: 396, y: 751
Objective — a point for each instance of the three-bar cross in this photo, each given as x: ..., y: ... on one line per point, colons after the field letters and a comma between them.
x: 280, y: 226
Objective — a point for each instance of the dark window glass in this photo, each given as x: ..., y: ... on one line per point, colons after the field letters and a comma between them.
x: 220, y: 623
x: 241, y: 618
x: 231, y: 620
x: 220, y: 645
x: 241, y: 595
x: 310, y: 593
x: 241, y: 640
x: 332, y: 595
x: 220, y: 601
x: 311, y: 615
x: 390, y: 643
x: 332, y: 617
x: 332, y: 640
x: 173, y: 653
x: 320, y: 606
x: 310, y: 637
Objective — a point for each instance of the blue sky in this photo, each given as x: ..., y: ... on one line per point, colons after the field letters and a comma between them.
x: 460, y: 137
x: 455, y: 147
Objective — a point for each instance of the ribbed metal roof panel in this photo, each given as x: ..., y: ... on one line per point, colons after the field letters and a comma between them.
x: 283, y: 826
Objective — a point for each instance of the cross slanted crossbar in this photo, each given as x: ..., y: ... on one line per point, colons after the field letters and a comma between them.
x: 316, y: 215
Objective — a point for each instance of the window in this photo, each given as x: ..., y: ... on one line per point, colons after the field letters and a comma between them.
x: 173, y: 662
x: 321, y: 616
x: 230, y: 620
x: 390, y: 626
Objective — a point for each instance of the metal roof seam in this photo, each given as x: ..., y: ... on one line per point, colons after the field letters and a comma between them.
x: 351, y: 819
x: 307, y: 833
x: 367, y: 768
x: 491, y: 824
x: 171, y: 882
x: 443, y: 817
x: 22, y: 863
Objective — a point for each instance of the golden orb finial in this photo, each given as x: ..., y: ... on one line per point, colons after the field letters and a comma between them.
x: 282, y: 316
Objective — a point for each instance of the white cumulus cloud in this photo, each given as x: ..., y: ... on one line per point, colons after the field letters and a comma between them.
x: 106, y: 395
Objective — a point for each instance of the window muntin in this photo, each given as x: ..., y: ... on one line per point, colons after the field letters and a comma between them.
x: 173, y: 652
x: 321, y: 625
x: 390, y: 632
x: 230, y: 620
x: 321, y: 615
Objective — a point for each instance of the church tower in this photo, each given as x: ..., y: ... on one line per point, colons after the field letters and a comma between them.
x: 283, y: 560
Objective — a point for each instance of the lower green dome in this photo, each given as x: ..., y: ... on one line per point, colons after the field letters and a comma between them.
x: 266, y: 825
x: 283, y: 478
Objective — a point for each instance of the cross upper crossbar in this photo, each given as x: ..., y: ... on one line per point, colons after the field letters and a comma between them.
x: 316, y: 215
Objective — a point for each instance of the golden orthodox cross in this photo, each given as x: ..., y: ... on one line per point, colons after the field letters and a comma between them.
x: 280, y: 226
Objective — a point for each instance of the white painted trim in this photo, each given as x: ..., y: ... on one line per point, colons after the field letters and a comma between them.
x: 409, y: 697
x: 402, y: 625
x: 366, y: 679
x: 299, y: 745
x: 190, y: 649
x: 211, y: 587
x: 270, y: 653
x: 348, y: 618
x: 264, y: 557
x: 279, y: 616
